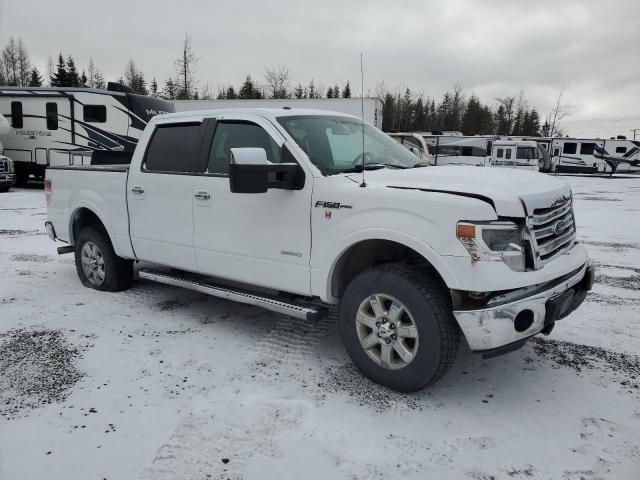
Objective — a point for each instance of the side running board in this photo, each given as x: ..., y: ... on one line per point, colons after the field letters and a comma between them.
x: 203, y: 286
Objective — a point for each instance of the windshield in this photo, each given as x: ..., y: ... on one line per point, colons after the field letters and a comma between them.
x: 527, y: 153
x: 334, y: 144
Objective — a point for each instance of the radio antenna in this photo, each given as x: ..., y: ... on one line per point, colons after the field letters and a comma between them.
x: 363, y: 184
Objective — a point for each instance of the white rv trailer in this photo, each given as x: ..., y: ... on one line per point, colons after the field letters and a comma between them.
x: 589, y: 155
x: 65, y: 126
x: 479, y: 151
x: 351, y: 106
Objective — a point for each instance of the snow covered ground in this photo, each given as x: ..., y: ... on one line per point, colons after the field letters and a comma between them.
x: 161, y: 383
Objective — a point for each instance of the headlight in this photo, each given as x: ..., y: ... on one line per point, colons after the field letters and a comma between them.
x: 11, y: 167
x: 494, y: 241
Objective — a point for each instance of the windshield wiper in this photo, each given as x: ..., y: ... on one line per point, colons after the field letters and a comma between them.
x: 367, y: 166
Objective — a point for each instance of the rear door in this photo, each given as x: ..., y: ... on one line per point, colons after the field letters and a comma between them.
x: 160, y: 195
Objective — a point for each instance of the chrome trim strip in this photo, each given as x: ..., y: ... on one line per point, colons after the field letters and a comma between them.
x: 553, y: 245
x: 548, y: 217
x: 233, y: 295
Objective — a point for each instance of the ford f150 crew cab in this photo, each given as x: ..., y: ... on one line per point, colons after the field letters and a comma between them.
x: 303, y: 211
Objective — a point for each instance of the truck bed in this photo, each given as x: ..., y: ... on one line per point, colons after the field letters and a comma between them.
x: 102, y: 189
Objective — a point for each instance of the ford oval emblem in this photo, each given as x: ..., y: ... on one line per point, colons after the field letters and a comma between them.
x: 560, y: 226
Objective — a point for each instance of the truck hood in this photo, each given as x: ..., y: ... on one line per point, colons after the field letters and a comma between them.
x: 509, y: 191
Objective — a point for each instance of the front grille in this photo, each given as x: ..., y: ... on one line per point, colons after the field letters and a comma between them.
x: 4, y: 166
x: 552, y: 231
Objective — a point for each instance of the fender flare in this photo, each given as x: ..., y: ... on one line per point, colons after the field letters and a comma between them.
x: 429, y: 254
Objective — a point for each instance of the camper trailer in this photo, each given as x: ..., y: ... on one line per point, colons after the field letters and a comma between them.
x: 589, y: 155
x: 479, y: 151
x: 65, y: 126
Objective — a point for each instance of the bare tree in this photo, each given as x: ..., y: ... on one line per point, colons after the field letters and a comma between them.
x: 560, y: 111
x: 10, y: 61
x: 185, y: 70
x: 24, y: 64
x: 277, y: 77
x: 91, y: 71
x: 50, y: 69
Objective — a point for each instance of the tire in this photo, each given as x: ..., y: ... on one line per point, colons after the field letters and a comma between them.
x: 4, y: 189
x: 426, y: 306
x: 117, y: 273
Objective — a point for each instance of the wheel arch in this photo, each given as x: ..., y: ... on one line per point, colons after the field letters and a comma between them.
x: 365, y: 253
x: 85, y: 216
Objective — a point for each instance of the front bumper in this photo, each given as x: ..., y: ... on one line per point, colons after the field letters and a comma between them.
x: 7, y: 179
x: 497, y: 328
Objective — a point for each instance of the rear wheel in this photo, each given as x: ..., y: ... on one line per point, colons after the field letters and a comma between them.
x: 397, y: 325
x: 97, y: 264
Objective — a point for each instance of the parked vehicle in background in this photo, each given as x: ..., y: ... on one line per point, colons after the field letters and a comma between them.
x: 478, y: 151
x: 63, y: 126
x: 300, y: 211
x: 588, y: 155
x: 7, y: 173
x: 351, y: 106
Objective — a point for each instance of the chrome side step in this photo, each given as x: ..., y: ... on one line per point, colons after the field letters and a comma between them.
x: 305, y: 313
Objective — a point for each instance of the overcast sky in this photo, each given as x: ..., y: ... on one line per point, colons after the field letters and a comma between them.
x: 491, y: 47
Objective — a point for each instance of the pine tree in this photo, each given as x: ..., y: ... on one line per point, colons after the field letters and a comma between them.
x: 502, y: 122
x: 346, y: 91
x: 231, y: 93
x: 336, y: 91
x: 299, y: 91
x: 35, y: 79
x: 249, y: 89
x: 73, y: 79
x: 312, y: 92
x: 330, y: 92
x: 59, y: 78
x: 169, y: 91
x: 83, y: 79
x: 154, y: 88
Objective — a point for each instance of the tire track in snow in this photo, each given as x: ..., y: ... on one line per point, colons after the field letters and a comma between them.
x: 202, y: 442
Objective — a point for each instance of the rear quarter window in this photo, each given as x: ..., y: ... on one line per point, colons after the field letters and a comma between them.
x: 174, y: 148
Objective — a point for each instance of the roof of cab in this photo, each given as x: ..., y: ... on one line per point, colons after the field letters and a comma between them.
x: 263, y: 112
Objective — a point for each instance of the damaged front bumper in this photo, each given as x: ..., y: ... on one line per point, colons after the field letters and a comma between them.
x: 510, y: 318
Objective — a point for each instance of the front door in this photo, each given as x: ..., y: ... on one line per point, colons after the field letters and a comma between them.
x: 260, y: 239
x: 160, y: 196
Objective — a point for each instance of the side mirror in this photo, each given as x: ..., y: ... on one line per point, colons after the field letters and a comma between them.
x: 251, y: 172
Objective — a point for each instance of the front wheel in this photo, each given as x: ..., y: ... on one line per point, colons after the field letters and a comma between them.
x: 97, y: 264
x: 397, y: 325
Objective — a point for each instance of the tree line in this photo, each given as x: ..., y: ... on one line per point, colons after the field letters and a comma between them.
x: 402, y: 110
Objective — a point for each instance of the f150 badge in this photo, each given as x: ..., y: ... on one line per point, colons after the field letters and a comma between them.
x: 330, y: 205
x: 336, y: 205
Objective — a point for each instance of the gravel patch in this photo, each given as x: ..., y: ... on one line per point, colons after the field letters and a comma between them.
x: 37, y: 367
x: 348, y: 379
x: 622, y: 367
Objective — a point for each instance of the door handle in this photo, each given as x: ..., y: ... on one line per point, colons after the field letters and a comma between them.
x: 202, y: 195
x: 137, y: 189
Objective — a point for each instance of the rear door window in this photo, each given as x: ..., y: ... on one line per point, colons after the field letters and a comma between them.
x: 175, y: 148
x: 570, y: 148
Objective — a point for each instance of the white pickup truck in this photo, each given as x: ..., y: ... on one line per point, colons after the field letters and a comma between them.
x: 299, y: 211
